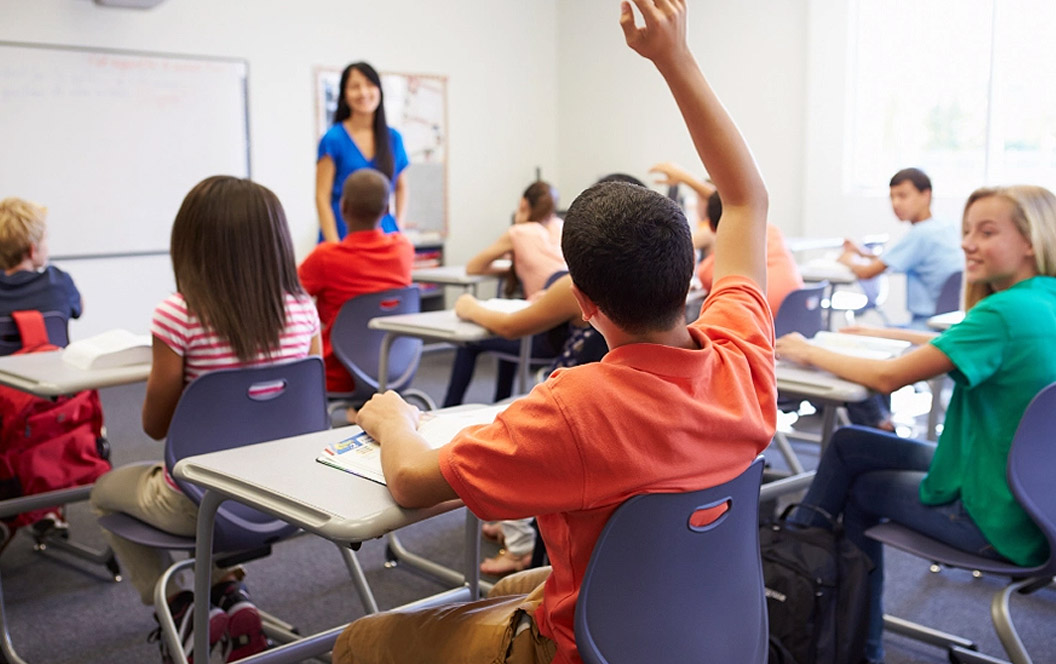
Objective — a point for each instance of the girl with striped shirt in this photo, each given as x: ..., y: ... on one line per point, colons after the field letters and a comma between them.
x: 238, y: 303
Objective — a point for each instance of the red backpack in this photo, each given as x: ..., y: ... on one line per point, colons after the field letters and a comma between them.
x: 47, y: 444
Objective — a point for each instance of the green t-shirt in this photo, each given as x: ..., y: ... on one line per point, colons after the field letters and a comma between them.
x: 1004, y: 353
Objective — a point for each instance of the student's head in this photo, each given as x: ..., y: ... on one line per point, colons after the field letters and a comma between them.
x: 621, y: 177
x: 364, y: 199
x: 629, y: 250
x: 1009, y: 234
x: 21, y: 232
x: 713, y: 210
x: 361, y: 94
x: 233, y: 261
x: 539, y: 202
x: 911, y: 195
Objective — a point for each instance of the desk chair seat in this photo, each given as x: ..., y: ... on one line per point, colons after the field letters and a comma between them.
x: 660, y: 589
x: 1031, y: 465
x: 358, y: 348
x: 231, y: 408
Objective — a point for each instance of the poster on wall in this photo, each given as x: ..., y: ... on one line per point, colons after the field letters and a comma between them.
x: 416, y: 106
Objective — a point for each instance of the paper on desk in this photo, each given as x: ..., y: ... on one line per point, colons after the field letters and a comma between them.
x: 113, y: 348
x: 360, y: 454
x: 504, y: 305
x: 856, y: 345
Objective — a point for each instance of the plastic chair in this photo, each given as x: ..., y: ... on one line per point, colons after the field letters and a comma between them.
x: 801, y: 311
x: 225, y: 409
x: 1031, y: 464
x: 358, y: 347
x: 661, y: 589
x: 950, y: 295
x: 54, y: 322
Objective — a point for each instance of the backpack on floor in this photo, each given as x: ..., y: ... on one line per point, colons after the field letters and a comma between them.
x: 817, y: 592
x: 47, y: 444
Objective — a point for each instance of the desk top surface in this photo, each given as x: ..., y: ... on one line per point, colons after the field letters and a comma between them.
x: 441, y: 325
x: 47, y: 375
x: 453, y: 274
x: 283, y: 478
x: 813, y: 383
x: 945, y: 321
x: 822, y: 269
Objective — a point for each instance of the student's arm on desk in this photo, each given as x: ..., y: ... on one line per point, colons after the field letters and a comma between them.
x: 554, y: 306
x: 481, y: 263
x: 164, y: 387
x: 740, y: 245
x: 866, y: 270
x: 884, y: 376
x: 411, y: 467
x: 915, y: 337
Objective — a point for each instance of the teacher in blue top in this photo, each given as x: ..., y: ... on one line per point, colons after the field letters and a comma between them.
x: 359, y: 138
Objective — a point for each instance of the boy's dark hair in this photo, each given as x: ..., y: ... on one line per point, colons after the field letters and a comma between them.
x: 714, y: 210
x: 630, y: 251
x: 919, y: 178
x: 621, y: 177
x: 365, y: 198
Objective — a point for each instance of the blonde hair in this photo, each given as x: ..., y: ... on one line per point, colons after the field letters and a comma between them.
x: 21, y: 225
x: 1034, y: 214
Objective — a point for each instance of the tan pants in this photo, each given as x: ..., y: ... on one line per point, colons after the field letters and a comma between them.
x: 483, y: 632
x: 140, y: 490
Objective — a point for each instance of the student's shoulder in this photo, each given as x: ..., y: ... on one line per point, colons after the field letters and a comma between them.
x: 736, y: 308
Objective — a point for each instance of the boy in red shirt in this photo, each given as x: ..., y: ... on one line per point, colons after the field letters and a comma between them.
x: 368, y: 260
x: 670, y: 408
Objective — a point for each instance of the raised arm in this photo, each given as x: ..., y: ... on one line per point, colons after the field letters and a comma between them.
x: 740, y: 245
x: 671, y: 174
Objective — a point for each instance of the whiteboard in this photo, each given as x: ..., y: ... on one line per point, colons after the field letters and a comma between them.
x: 111, y: 141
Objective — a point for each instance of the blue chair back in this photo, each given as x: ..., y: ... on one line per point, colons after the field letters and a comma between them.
x: 801, y: 311
x: 54, y: 322
x: 1031, y: 465
x: 950, y: 295
x: 234, y: 407
x: 358, y: 347
x: 661, y: 589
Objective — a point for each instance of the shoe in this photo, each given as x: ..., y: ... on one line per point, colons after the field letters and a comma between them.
x: 492, y: 531
x: 244, y: 630
x: 50, y: 525
x: 182, y: 608
x: 505, y: 563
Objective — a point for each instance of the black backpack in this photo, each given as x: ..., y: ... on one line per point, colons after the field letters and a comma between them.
x: 817, y: 592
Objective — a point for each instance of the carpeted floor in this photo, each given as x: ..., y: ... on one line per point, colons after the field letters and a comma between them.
x: 65, y: 611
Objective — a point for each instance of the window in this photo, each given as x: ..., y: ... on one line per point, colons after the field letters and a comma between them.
x: 960, y: 88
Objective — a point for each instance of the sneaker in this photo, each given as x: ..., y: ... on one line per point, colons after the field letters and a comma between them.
x: 51, y: 524
x: 244, y: 630
x: 182, y: 608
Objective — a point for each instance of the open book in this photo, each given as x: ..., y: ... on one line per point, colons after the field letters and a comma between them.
x: 114, y: 348
x: 874, y: 348
x: 360, y: 454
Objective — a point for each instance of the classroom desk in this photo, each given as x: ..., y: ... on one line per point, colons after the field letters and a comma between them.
x: 943, y: 322
x: 47, y: 375
x: 819, y: 386
x: 440, y: 326
x: 455, y: 275
x: 836, y: 274
x: 338, y: 506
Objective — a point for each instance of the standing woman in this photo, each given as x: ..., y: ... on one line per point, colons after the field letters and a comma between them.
x: 359, y: 138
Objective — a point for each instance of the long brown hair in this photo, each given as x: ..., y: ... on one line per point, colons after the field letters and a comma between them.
x: 1034, y: 214
x: 233, y: 261
x: 384, y: 160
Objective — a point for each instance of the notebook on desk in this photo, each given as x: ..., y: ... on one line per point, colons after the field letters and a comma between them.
x: 874, y: 348
x: 360, y: 454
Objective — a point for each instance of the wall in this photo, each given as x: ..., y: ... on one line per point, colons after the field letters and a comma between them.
x: 500, y: 57
x: 615, y: 113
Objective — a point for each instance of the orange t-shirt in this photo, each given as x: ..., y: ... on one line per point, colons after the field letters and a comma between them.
x: 782, y: 273
x: 335, y: 272
x: 646, y: 418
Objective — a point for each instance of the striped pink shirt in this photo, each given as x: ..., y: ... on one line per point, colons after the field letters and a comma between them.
x: 203, y: 351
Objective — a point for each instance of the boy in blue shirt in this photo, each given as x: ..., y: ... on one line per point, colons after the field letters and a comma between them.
x: 27, y: 281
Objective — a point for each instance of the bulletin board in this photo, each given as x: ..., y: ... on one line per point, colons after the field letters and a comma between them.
x: 111, y: 141
x: 416, y: 106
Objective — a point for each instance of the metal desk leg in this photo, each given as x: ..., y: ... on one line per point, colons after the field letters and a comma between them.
x: 524, y: 368
x: 203, y: 564
x: 383, y: 360
x: 935, y: 385
x: 828, y: 422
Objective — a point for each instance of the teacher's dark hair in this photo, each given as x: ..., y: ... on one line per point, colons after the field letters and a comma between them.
x: 233, y: 261
x: 383, y: 158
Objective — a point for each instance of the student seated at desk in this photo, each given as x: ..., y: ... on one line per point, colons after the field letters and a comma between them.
x: 28, y: 282
x: 669, y: 408
x: 999, y: 357
x: 533, y: 243
x: 238, y: 303
x: 367, y: 260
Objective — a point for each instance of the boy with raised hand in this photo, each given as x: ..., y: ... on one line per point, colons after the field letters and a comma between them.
x: 671, y: 408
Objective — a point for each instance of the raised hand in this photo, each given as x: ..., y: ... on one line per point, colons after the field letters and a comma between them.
x: 663, y: 37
